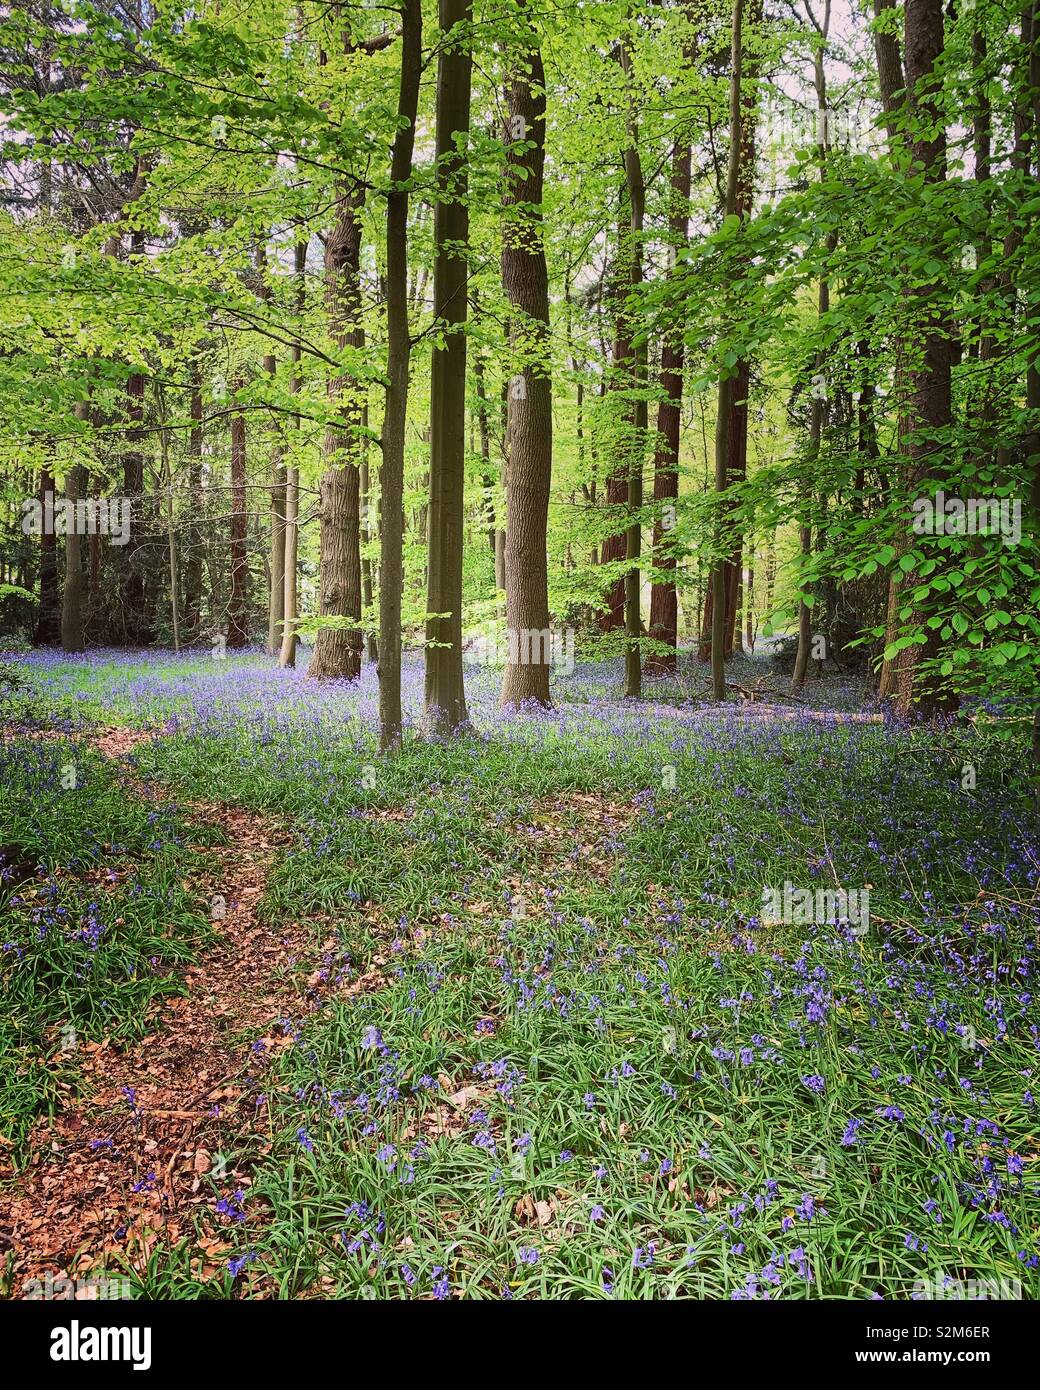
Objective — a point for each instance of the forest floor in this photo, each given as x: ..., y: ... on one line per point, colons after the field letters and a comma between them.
x: 504, y: 1017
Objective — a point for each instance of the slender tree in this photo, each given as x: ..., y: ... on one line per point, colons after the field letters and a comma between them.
x: 391, y: 478
x: 727, y: 381
x: 818, y: 408
x: 664, y: 606
x: 445, y: 691
x: 238, y: 614
x: 287, y: 649
x: 72, y: 593
x: 48, y: 620
x: 193, y: 567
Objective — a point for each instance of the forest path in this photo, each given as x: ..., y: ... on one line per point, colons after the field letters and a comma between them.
x: 129, y: 1162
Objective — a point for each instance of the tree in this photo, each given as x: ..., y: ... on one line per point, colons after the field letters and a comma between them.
x: 72, y: 594
x: 664, y: 606
x: 727, y: 376
x: 398, y: 361
x: 445, y: 693
x: 337, y: 645
x: 48, y: 621
x: 928, y: 376
x: 525, y: 281
x: 238, y: 606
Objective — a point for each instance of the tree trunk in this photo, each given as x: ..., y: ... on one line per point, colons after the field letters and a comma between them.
x: 818, y: 409
x: 737, y: 430
x: 238, y: 618
x: 529, y: 429
x: 136, y: 628
x: 391, y: 541
x: 290, y: 604
x: 72, y: 596
x: 276, y: 605
x: 891, y: 83
x: 664, y: 607
x: 287, y: 652
x: 615, y: 547
x: 367, y: 531
x: 724, y: 416
x: 736, y: 472
x: 445, y: 695
x: 750, y: 627
x: 171, y: 539
x: 337, y: 649
x: 929, y: 379
x: 484, y: 428
x: 193, y: 568
x: 48, y: 619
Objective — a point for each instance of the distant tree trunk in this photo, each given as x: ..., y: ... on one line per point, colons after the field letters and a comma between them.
x: 171, y: 538
x: 736, y: 472
x: 801, y: 659
x: 529, y: 431
x: 276, y: 553
x: 48, y: 619
x: 72, y: 596
x: 193, y: 568
x: 664, y: 607
x: 94, y: 595
x: 137, y: 631
x: 238, y: 617
x: 398, y: 355
x: 367, y: 532
x: 337, y: 649
x: 287, y: 651
x: 134, y: 614
x: 484, y: 428
x: 724, y: 415
x: 818, y: 409
x: 749, y: 603
x: 290, y: 604
x: 615, y: 547
x: 276, y: 605
x: 445, y: 695
x: 737, y: 431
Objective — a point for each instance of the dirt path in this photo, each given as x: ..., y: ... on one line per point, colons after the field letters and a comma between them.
x: 134, y: 1159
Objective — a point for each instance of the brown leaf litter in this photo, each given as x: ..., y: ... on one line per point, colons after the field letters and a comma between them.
x: 133, y: 1160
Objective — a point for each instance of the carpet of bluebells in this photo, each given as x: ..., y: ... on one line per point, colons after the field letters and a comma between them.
x: 562, y: 1054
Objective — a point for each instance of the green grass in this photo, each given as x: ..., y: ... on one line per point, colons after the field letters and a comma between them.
x: 645, y: 1023
x: 96, y: 919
